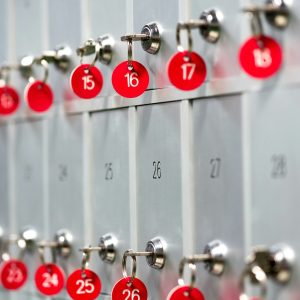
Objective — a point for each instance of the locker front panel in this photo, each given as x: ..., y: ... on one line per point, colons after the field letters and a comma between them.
x: 273, y: 123
x: 30, y: 186
x: 110, y: 206
x: 218, y: 169
x: 159, y: 210
x: 66, y: 210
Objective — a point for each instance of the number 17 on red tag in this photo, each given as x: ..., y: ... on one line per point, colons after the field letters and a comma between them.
x: 186, y: 70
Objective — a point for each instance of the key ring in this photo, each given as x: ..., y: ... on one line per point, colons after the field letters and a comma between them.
x: 133, y: 267
x: 179, y: 27
x: 90, y: 46
x: 45, y: 65
x: 86, y: 255
x: 260, y: 277
x: 41, y: 250
x: 193, y: 268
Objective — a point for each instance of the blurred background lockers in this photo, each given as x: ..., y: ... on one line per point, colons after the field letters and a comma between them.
x: 228, y: 152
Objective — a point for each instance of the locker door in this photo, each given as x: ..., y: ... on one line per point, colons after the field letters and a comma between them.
x: 30, y: 184
x: 66, y: 158
x: 159, y: 191
x: 275, y: 166
x: 4, y: 200
x: 110, y: 207
x: 218, y: 169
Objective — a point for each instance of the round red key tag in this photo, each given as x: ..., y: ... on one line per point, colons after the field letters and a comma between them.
x: 49, y: 279
x: 261, y: 57
x: 86, y: 81
x: 185, y: 293
x: 123, y: 290
x: 186, y: 70
x: 38, y: 96
x: 130, y: 83
x: 83, y: 287
x: 13, y: 274
x: 9, y: 100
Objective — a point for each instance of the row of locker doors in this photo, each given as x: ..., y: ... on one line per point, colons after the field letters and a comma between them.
x: 189, y: 171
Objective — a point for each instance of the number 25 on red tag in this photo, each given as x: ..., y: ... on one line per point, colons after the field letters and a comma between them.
x: 186, y: 70
x: 124, y: 290
x: 83, y: 286
x: 130, y: 81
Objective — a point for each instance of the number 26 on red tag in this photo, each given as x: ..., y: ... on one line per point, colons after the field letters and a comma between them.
x: 186, y: 70
x: 124, y: 290
x: 130, y: 81
x: 83, y: 286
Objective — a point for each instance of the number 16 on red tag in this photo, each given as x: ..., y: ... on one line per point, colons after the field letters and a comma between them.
x: 130, y: 81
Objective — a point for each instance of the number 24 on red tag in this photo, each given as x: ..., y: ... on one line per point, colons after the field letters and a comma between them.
x: 49, y: 279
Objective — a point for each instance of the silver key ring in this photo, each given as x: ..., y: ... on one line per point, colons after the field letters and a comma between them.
x: 193, y: 268
x: 133, y: 267
x: 261, y: 278
x: 179, y: 27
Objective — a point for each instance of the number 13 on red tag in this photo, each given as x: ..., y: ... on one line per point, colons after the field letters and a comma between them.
x: 186, y: 70
x: 130, y: 81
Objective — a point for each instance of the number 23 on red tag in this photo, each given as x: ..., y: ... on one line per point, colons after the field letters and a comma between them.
x: 83, y: 286
x: 186, y: 70
x: 130, y: 81
x: 124, y: 290
x: 13, y: 274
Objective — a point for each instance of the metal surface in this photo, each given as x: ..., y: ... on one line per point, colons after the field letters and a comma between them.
x: 108, y: 244
x: 228, y: 155
x: 64, y: 240
x: 153, y: 41
x: 157, y: 247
